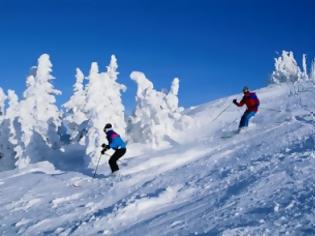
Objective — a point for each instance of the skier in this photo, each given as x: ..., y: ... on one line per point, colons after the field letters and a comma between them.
x: 116, y: 143
x: 252, y: 103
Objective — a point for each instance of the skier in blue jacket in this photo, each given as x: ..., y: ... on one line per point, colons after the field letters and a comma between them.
x: 115, y: 142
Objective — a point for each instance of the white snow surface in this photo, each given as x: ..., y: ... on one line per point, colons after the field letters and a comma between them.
x: 258, y: 182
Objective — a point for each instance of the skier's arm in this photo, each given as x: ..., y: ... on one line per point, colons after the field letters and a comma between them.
x: 239, y: 104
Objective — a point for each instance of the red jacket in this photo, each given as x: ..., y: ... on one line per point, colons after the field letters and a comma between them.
x: 251, y: 101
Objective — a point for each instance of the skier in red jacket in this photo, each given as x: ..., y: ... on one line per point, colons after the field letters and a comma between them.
x: 252, y: 102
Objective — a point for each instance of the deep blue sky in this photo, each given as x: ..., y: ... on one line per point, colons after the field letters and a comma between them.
x: 215, y: 47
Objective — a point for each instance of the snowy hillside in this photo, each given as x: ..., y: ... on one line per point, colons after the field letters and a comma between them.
x: 259, y: 182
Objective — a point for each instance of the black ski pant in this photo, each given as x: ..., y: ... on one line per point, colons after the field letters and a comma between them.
x: 114, y: 158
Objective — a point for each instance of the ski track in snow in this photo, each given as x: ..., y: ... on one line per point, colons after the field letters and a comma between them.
x: 258, y: 182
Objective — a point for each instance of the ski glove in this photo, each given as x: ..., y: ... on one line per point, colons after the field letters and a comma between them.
x: 234, y: 101
x: 105, y: 148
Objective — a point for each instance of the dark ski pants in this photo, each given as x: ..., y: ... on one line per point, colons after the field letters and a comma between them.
x: 114, y: 158
x: 245, y: 118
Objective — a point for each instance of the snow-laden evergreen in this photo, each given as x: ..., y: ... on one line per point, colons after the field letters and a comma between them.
x: 176, y: 113
x: 75, y: 112
x: 8, y: 135
x: 2, y: 102
x: 312, y: 73
x: 39, y: 117
x: 304, y: 75
x: 3, y: 134
x: 286, y: 69
x: 103, y: 105
x: 157, y: 115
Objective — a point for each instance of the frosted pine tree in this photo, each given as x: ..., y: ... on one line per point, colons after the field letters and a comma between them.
x: 157, y: 116
x: 8, y: 135
x: 286, y: 69
x: 12, y: 115
x: 172, y: 96
x: 39, y: 116
x: 75, y: 109
x: 304, y: 74
x: 112, y: 68
x: 180, y: 121
x: 312, y: 74
x: 2, y: 102
x: 117, y: 114
x: 3, y: 136
x: 104, y: 105
x: 146, y: 116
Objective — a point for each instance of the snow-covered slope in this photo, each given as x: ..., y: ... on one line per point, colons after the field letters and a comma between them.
x: 259, y: 182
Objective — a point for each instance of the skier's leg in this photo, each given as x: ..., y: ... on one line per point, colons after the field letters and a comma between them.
x: 243, y: 121
x: 114, y: 158
x: 249, y: 115
x: 112, y: 162
x: 245, y: 118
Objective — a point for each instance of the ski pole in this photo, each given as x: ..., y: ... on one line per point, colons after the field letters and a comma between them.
x: 221, y: 113
x: 97, y: 165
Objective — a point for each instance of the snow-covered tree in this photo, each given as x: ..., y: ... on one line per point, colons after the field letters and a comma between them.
x: 39, y: 116
x: 116, y: 115
x: 312, y: 74
x: 8, y: 139
x: 3, y: 134
x: 181, y: 121
x: 112, y: 68
x: 143, y: 123
x: 13, y: 102
x: 2, y: 102
x: 157, y: 116
x: 103, y: 105
x: 74, y: 110
x: 304, y: 74
x: 286, y: 69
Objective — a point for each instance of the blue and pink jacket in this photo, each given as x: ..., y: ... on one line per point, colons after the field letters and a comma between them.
x: 251, y: 100
x: 114, y: 140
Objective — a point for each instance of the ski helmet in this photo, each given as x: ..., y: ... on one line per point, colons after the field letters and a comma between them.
x: 245, y: 89
x: 107, y: 127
